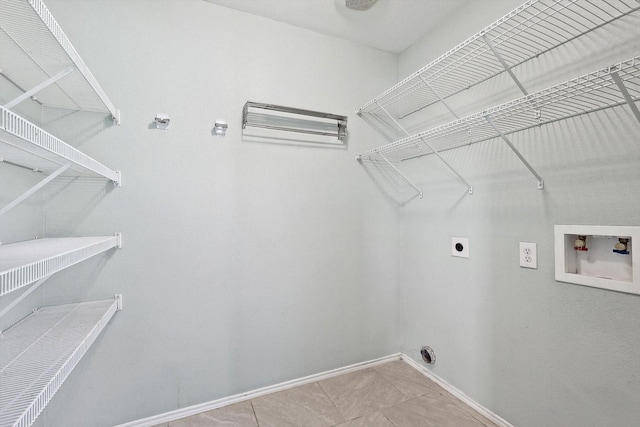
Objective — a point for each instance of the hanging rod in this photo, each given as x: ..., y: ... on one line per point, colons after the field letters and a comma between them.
x: 326, y: 124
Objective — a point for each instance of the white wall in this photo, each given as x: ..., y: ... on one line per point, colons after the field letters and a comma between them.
x: 536, y: 351
x: 244, y: 263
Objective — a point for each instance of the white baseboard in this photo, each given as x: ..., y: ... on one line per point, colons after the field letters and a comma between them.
x: 214, y: 404
x: 457, y: 393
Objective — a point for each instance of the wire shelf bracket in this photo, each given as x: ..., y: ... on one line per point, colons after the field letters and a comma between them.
x: 25, y: 294
x: 33, y: 91
x: 34, y: 189
x: 40, y: 352
x: 506, y: 67
x: 517, y: 153
x: 625, y: 93
x: 425, y: 142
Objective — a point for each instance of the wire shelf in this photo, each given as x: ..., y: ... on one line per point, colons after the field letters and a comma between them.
x: 532, y: 29
x: 39, y: 353
x: 25, y: 144
x: 589, y: 93
x: 39, y: 50
x: 26, y: 262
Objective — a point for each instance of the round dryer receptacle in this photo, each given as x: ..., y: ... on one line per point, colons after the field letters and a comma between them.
x: 428, y: 355
x: 459, y: 247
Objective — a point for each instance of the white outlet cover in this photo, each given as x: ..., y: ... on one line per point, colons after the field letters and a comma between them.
x: 460, y: 247
x: 528, y: 255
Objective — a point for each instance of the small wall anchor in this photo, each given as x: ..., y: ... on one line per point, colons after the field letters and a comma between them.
x: 162, y: 121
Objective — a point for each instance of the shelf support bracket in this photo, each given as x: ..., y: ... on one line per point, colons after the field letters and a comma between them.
x: 438, y: 96
x: 469, y: 187
x: 402, y: 175
x: 31, y: 92
x: 517, y: 153
x: 625, y: 93
x: 33, y: 189
x: 24, y: 295
x: 507, y: 68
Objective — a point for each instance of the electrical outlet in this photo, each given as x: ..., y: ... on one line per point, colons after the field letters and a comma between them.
x: 460, y: 247
x: 528, y: 255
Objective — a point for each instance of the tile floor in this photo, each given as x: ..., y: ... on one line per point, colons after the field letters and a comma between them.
x: 389, y: 395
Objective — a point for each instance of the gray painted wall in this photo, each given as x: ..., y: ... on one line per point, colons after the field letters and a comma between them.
x: 536, y: 351
x: 245, y: 264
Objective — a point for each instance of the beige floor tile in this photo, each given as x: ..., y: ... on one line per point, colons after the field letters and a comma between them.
x: 408, y: 380
x: 361, y: 393
x: 237, y: 415
x: 471, y: 412
x: 377, y: 419
x: 430, y: 410
x: 304, y: 406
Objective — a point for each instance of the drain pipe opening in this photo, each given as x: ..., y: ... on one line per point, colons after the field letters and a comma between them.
x: 428, y: 355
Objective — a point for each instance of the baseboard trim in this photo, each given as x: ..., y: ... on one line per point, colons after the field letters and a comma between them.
x: 214, y: 404
x: 218, y: 403
x: 456, y: 392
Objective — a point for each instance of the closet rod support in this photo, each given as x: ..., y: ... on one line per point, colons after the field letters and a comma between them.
x: 402, y: 175
x: 469, y: 187
x: 517, y: 153
x: 625, y: 93
x: 504, y: 64
x: 31, y: 92
x: 33, y: 189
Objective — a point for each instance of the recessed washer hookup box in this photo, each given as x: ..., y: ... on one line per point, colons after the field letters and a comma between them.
x: 598, y: 256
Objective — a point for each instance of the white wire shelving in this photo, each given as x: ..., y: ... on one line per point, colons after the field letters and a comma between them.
x: 39, y: 62
x: 532, y: 29
x: 24, y: 263
x: 43, y: 62
x: 40, y: 352
x: 608, y: 87
x: 27, y: 145
x: 535, y: 27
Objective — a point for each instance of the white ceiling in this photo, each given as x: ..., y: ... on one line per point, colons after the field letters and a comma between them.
x: 390, y: 25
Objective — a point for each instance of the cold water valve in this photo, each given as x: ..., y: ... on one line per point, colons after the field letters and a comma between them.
x: 622, y: 247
